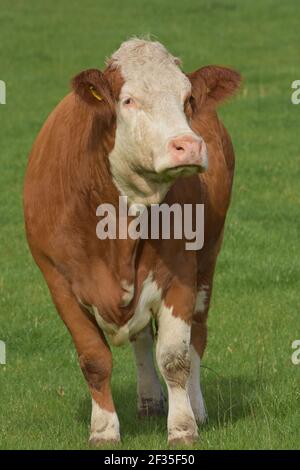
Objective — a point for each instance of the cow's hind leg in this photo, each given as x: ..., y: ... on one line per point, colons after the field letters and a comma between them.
x: 150, y: 396
x: 95, y: 357
x: 194, y: 388
x: 206, y: 268
x: 198, y: 344
x: 173, y: 357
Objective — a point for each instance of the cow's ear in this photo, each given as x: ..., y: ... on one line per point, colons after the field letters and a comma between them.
x: 213, y: 84
x: 92, y: 86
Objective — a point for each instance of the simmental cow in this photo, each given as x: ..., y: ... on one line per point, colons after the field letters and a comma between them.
x: 146, y: 130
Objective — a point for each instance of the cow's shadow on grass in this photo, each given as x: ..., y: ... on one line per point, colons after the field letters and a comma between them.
x: 228, y: 400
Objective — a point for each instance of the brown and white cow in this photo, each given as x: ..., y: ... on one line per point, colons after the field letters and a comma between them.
x: 144, y: 129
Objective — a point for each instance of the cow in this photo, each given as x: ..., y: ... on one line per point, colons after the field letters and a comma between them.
x: 146, y: 130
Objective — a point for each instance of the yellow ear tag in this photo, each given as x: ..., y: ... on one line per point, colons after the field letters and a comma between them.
x: 95, y: 94
x: 207, y: 90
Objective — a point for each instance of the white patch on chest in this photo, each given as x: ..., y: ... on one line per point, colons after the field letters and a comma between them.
x: 148, y: 304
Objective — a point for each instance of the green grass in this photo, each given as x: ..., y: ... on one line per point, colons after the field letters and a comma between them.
x: 250, y: 384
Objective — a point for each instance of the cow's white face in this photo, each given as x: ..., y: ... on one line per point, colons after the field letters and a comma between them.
x: 154, y: 143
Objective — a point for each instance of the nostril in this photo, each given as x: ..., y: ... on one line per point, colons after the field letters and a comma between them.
x: 184, y: 146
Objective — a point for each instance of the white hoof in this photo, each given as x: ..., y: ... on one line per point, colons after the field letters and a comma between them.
x: 105, y: 426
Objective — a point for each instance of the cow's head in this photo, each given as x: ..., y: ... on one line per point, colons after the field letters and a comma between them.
x: 154, y: 107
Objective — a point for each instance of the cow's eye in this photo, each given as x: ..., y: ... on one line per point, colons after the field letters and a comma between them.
x: 128, y: 102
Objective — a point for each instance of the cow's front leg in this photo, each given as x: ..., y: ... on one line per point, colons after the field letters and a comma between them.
x: 97, y: 367
x: 150, y: 396
x: 173, y: 357
x: 95, y: 357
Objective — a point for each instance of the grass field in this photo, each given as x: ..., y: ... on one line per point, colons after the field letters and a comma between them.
x: 251, y: 387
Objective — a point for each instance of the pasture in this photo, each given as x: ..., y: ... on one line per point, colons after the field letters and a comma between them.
x: 251, y: 386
